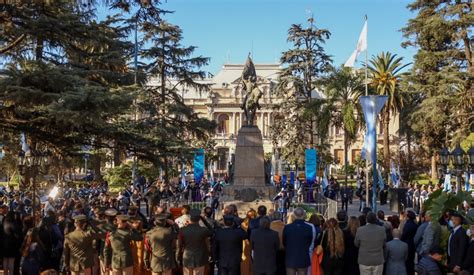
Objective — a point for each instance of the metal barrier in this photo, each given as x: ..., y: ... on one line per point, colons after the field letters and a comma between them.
x: 322, y: 205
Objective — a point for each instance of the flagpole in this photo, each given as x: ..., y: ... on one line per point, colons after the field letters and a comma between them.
x: 366, y: 94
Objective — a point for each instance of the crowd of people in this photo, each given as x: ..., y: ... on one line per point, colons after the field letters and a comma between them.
x: 89, y: 231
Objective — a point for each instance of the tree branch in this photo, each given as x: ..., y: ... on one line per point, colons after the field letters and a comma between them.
x: 13, y: 44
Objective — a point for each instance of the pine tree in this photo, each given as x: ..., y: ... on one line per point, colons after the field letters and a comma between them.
x: 62, y: 77
x: 304, y: 65
x: 173, y: 126
x: 443, y: 72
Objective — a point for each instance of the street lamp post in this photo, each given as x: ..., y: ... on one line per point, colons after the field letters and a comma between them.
x: 32, y: 160
x: 444, y: 159
x: 457, y: 156
x: 470, y: 154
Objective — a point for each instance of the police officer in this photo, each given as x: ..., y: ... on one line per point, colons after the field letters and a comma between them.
x: 118, y: 252
x: 159, y: 254
x: 78, y: 249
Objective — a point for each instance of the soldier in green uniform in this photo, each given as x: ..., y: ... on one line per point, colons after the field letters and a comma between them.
x: 192, y: 241
x: 78, y: 248
x: 106, y: 227
x: 159, y: 255
x: 117, y: 252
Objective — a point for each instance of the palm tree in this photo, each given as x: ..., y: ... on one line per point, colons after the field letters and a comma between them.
x: 343, y: 89
x: 385, y: 77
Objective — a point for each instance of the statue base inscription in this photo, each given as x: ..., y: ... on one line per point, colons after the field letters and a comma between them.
x: 249, y: 170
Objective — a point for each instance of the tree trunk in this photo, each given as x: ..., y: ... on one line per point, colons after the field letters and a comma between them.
x: 386, y: 142
x: 434, y: 170
x: 409, y: 158
x: 166, y: 172
x: 96, y: 167
x: 346, y: 162
x: 117, y: 153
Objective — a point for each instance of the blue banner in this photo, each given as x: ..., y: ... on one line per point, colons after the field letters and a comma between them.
x: 198, y: 166
x: 310, y: 165
x: 283, y: 181
x: 292, y: 178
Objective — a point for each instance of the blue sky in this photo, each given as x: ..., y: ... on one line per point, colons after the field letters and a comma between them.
x: 226, y: 30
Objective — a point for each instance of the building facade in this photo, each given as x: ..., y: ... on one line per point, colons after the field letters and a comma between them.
x: 222, y: 104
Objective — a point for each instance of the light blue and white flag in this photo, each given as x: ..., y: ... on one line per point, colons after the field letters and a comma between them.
x: 2, y: 154
x: 211, y: 174
x: 447, y: 183
x: 24, y: 145
x: 466, y: 181
x: 324, y: 182
x: 470, y: 183
x: 381, y: 182
x: 393, y: 175
x: 311, y: 159
x: 272, y: 170
x: 371, y: 107
x: 183, y: 176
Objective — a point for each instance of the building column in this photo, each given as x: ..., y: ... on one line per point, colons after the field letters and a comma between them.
x: 232, y: 124
x: 268, y: 124
x: 240, y: 120
x: 261, y: 122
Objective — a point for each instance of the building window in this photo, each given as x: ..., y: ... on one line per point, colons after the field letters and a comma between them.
x: 355, y: 155
x: 339, y: 156
x: 223, y: 124
x: 339, y: 131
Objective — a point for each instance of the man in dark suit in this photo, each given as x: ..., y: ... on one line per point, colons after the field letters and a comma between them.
x: 265, y: 244
x: 298, y: 238
x: 227, y: 247
x: 457, y: 244
x: 468, y: 264
x: 255, y: 223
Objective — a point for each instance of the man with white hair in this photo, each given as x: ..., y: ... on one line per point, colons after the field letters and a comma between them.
x: 298, y: 239
x: 396, y: 253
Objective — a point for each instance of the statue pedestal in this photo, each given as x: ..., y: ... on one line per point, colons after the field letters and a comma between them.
x: 249, y: 170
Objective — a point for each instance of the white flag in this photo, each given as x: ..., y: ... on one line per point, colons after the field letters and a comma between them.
x: 361, y: 46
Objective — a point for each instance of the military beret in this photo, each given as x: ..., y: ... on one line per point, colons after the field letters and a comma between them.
x: 80, y: 218
x: 195, y: 213
x: 111, y: 212
x: 123, y: 217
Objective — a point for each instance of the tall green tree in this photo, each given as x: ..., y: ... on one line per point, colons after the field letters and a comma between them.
x: 303, y: 66
x: 385, y: 71
x: 343, y: 87
x: 443, y: 72
x: 63, y: 71
x: 173, y: 67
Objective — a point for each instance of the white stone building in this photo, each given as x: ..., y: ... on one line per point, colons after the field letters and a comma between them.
x: 222, y: 104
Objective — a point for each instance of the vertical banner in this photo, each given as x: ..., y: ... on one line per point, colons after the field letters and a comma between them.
x: 470, y: 183
x: 283, y: 181
x: 310, y: 165
x: 447, y: 183
x: 371, y: 107
x: 198, y: 165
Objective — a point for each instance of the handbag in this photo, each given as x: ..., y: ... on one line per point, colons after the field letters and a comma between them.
x: 319, y: 248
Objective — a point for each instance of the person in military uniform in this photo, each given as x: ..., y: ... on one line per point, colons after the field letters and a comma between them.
x: 192, y: 242
x: 78, y: 248
x: 117, y: 251
x: 105, y: 228
x: 159, y: 241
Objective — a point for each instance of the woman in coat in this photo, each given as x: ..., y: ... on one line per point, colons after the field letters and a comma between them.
x: 351, y: 252
x: 333, y: 247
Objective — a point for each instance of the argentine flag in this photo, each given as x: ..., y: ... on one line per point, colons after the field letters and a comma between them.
x: 447, y: 183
